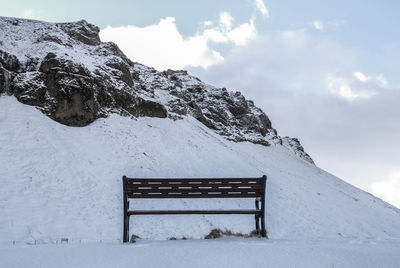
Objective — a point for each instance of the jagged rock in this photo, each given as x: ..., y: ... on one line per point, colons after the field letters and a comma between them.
x: 82, y: 31
x: 74, y: 78
x: 3, y: 75
x: 296, y: 147
x: 5, y: 80
x: 2, y: 79
x: 9, y: 62
x: 67, y: 92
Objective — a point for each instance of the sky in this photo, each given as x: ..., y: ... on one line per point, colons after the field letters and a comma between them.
x: 323, y: 71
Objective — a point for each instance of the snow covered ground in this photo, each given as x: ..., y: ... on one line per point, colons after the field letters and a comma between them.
x: 207, y: 253
x: 65, y: 182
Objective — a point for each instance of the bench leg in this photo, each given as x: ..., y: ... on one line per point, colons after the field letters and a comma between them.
x: 263, y: 230
x: 257, y: 218
x: 126, y: 228
x: 125, y: 235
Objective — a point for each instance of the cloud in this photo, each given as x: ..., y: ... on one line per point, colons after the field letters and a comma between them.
x: 242, y: 33
x: 318, y: 25
x: 30, y: 14
x: 388, y: 189
x: 330, y: 25
x: 356, y: 86
x: 207, y: 23
x: 315, y: 88
x: 163, y: 47
x: 226, y: 21
x: 262, y: 8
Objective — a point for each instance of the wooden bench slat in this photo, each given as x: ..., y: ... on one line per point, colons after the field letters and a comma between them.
x: 192, y: 184
x: 139, y: 188
x: 185, y: 212
x: 191, y: 181
x: 150, y: 196
x: 186, y: 191
x: 132, y: 186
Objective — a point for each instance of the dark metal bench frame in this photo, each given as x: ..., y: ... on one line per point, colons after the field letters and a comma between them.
x: 195, y: 188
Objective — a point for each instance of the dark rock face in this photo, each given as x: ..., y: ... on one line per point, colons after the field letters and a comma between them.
x: 82, y: 31
x: 74, y: 78
x: 8, y: 61
x: 71, y: 95
x: 3, y: 79
x: 229, y: 113
x: 9, y: 64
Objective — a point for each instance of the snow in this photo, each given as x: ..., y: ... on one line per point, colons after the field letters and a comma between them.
x: 59, y: 182
x: 226, y: 252
x: 65, y: 182
x: 29, y: 39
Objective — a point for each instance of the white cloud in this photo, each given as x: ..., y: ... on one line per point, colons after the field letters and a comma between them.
x: 207, y: 23
x: 356, y: 86
x: 388, y: 189
x: 163, y: 47
x: 330, y: 25
x: 226, y: 20
x: 318, y: 25
x: 262, y: 8
x: 30, y: 14
x: 242, y: 33
x: 360, y: 76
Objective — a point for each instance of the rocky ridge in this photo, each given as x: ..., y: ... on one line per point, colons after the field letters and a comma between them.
x: 65, y: 71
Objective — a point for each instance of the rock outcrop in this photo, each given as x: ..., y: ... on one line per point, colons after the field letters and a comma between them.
x: 70, y: 75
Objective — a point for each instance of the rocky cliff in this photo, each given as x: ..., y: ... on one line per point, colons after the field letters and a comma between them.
x: 65, y: 71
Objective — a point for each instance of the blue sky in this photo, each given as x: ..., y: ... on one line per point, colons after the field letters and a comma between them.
x: 324, y: 71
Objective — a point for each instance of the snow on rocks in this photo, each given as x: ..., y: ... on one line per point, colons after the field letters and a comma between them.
x: 65, y: 71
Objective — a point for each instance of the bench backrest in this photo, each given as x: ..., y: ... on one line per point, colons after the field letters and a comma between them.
x: 194, y: 188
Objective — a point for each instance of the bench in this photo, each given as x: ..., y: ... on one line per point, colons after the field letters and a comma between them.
x: 195, y: 188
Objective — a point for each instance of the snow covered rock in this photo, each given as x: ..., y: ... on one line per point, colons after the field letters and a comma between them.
x: 65, y: 71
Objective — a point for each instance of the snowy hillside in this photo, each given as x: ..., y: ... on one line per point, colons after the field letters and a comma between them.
x: 65, y: 71
x: 65, y: 182
x: 76, y: 115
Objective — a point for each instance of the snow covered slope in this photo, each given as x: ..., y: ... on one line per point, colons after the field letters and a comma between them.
x: 65, y: 71
x: 65, y: 182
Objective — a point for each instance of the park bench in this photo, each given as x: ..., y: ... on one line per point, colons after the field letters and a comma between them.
x: 195, y: 188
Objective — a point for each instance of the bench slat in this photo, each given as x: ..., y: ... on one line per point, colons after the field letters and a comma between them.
x: 191, y: 181
x: 191, y: 191
x: 185, y: 212
x: 139, y: 188
x: 224, y: 195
